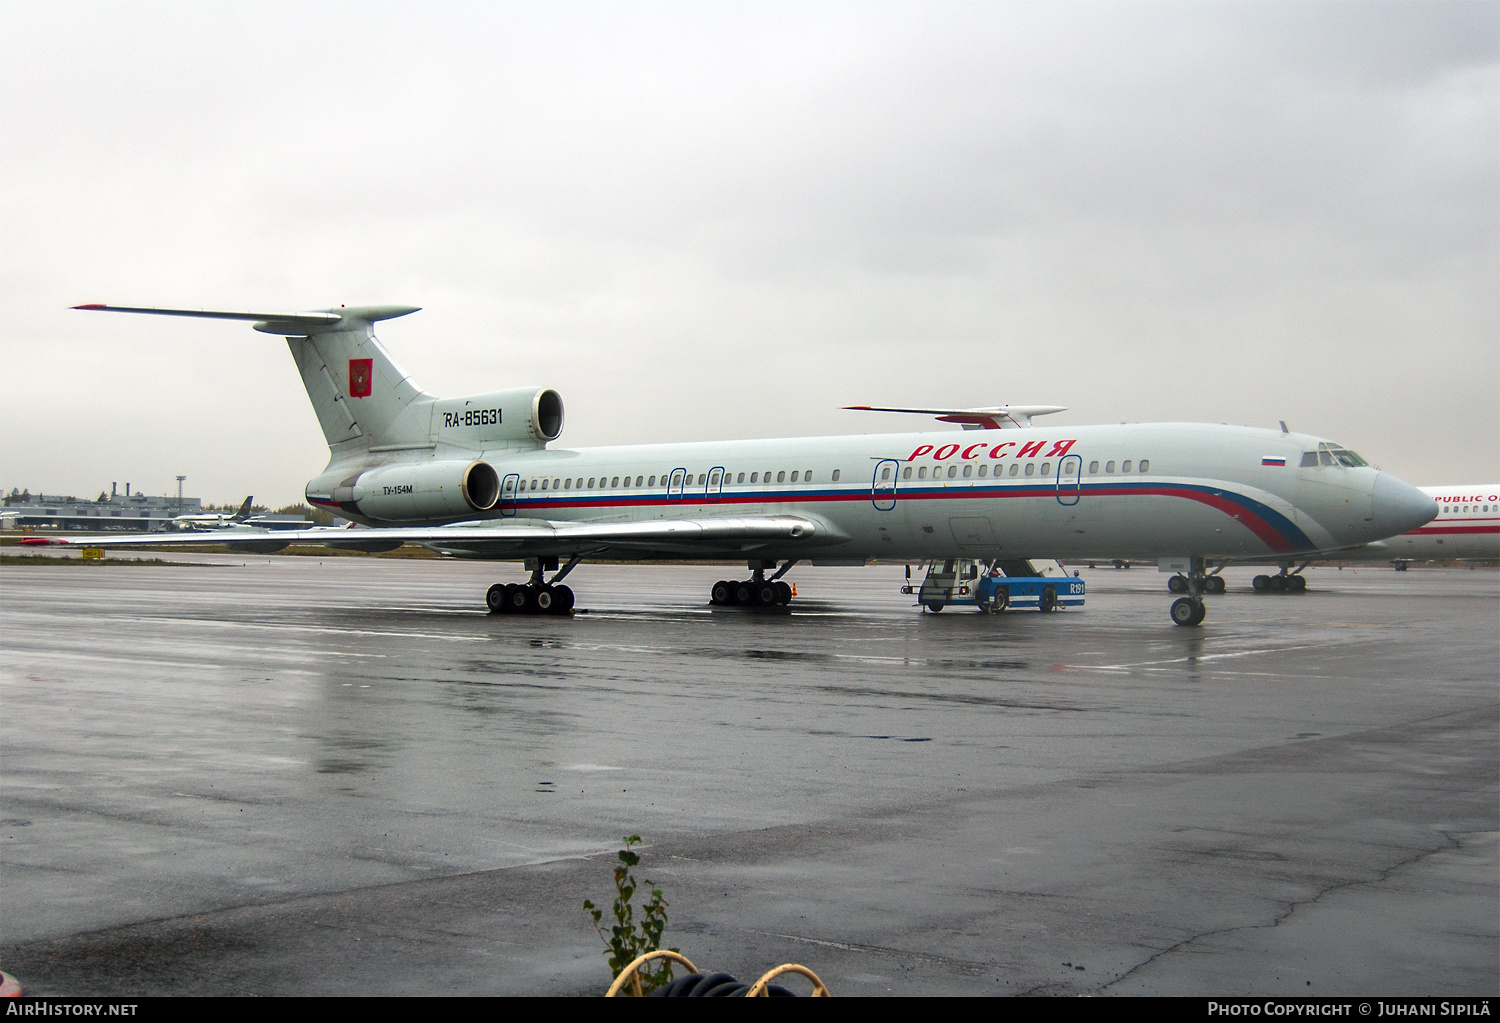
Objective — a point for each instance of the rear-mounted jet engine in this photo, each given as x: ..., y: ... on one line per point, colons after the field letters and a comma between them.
x: 421, y: 491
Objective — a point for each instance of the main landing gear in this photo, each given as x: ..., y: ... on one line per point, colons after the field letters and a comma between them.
x: 1190, y: 610
x: 536, y: 597
x: 1285, y: 581
x: 757, y: 591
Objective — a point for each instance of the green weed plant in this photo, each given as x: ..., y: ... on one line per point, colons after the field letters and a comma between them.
x: 630, y: 938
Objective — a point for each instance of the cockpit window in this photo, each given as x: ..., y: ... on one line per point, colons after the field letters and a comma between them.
x: 1309, y: 458
x: 1332, y: 454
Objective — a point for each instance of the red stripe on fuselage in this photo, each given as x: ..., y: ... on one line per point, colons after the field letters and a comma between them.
x: 1450, y: 530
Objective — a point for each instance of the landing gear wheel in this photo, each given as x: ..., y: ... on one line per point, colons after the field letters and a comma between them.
x: 1177, y: 584
x: 494, y: 599
x: 519, y: 599
x: 765, y: 594
x: 1187, y: 611
x: 1261, y: 584
x: 1278, y: 583
x: 783, y: 592
x: 744, y: 593
x: 722, y: 593
x: 1214, y: 584
x: 562, y: 600
x: 544, y: 600
x: 1048, y: 601
x: 1296, y: 583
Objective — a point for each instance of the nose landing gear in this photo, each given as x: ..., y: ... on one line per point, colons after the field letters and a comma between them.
x: 1190, y: 610
x: 537, y: 596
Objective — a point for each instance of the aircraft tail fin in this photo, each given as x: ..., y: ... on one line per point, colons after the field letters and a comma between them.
x: 363, y: 400
x: 244, y: 512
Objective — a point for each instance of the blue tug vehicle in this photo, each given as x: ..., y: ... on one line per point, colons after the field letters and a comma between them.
x: 993, y: 586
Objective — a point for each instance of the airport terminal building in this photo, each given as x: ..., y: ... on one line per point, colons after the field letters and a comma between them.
x: 134, y: 512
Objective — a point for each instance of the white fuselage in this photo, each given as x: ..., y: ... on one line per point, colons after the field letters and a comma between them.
x: 1138, y: 490
x: 1467, y: 528
x: 201, y: 522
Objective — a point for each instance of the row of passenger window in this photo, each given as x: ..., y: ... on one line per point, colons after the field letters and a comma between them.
x: 704, y: 479
x: 713, y: 478
x: 1454, y: 509
x: 1015, y: 470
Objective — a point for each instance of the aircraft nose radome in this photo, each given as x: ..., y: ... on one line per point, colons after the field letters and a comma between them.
x: 1400, y: 507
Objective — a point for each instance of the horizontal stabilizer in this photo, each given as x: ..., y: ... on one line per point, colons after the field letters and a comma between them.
x: 289, y: 324
x: 997, y: 417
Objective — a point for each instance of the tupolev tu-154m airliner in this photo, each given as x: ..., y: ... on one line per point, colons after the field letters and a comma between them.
x: 476, y: 477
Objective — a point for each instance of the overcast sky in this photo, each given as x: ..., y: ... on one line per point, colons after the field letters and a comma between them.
x: 718, y: 220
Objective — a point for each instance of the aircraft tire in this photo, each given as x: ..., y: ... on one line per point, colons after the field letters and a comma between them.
x: 1048, y: 601
x: 564, y: 597
x: 1177, y: 584
x: 783, y: 592
x: 544, y: 600
x: 1296, y: 583
x: 765, y: 595
x: 744, y: 593
x: 494, y: 599
x: 722, y: 593
x: 519, y: 599
x: 1278, y: 583
x: 1261, y: 583
x: 1216, y: 584
x: 1186, y: 611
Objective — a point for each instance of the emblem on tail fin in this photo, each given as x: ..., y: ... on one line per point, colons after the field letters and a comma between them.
x: 359, y: 377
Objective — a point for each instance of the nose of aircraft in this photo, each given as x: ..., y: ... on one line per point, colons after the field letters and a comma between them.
x: 1400, y: 507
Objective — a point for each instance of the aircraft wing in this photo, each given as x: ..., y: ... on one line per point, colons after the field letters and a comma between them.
x: 995, y: 417
x: 701, y: 536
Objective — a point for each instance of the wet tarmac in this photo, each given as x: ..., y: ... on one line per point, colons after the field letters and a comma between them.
x: 285, y: 775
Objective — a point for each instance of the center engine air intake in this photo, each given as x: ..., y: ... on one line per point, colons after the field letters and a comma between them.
x: 519, y: 417
x: 423, y: 491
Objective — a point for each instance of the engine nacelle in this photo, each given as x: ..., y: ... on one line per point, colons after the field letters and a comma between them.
x: 421, y: 491
x: 525, y: 415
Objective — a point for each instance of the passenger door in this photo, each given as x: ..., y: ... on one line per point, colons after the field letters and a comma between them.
x: 883, y: 484
x: 508, y: 488
x: 1069, y: 480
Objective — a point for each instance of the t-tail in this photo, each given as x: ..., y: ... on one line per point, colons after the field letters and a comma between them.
x: 369, y: 408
